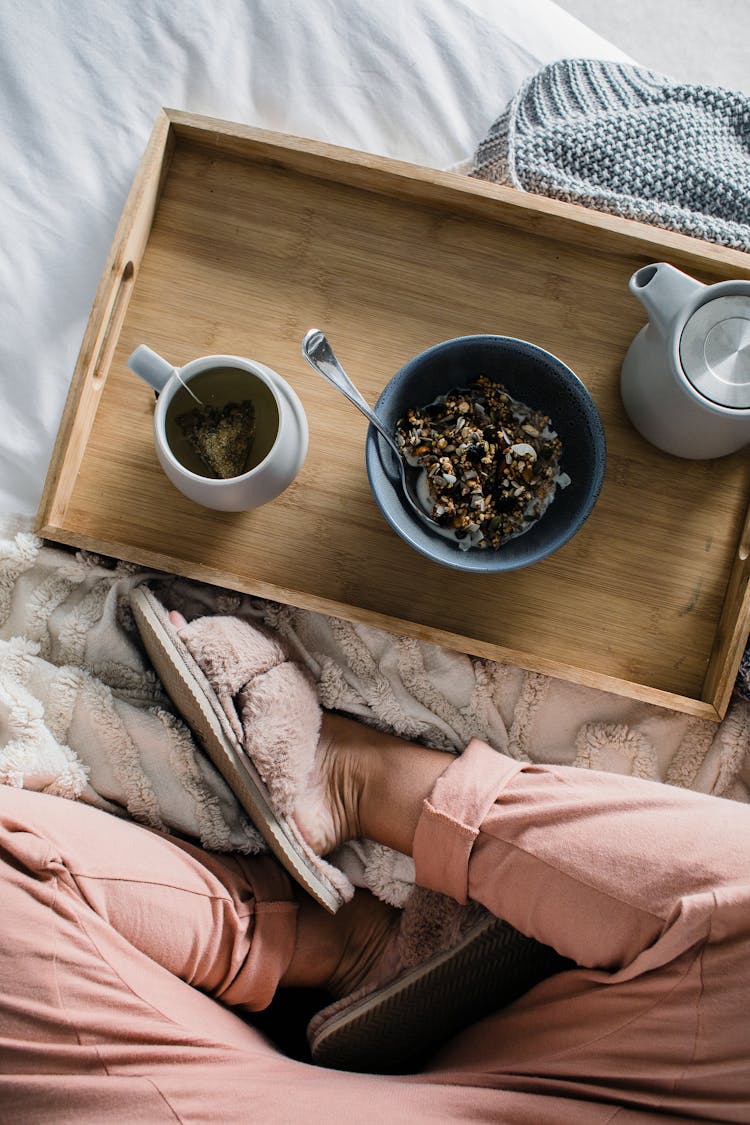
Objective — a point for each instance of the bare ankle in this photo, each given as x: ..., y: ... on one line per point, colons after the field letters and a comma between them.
x: 401, y: 777
x: 328, y: 815
x: 338, y: 953
x: 367, y: 784
x: 369, y: 927
x: 318, y: 947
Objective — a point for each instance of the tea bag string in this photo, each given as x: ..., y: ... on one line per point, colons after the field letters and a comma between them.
x: 187, y: 388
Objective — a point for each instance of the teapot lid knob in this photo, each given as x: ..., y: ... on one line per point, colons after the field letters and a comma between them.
x: 715, y: 351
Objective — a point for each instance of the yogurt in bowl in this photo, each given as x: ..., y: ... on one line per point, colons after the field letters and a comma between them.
x: 490, y: 465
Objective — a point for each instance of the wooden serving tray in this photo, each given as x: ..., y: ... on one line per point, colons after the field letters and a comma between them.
x: 235, y: 240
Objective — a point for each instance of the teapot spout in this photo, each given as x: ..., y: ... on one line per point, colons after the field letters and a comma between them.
x: 663, y: 291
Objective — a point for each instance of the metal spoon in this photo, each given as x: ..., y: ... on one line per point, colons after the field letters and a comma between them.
x: 320, y: 355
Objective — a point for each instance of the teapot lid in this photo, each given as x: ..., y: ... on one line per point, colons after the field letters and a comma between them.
x: 715, y: 351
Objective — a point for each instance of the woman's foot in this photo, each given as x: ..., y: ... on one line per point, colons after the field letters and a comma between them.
x: 328, y: 814
x: 365, y: 784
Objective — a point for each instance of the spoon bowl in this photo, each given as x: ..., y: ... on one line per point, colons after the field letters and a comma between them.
x: 320, y: 355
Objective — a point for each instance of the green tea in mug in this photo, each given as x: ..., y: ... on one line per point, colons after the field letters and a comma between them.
x: 230, y: 430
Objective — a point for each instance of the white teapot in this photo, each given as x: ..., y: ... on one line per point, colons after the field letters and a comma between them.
x: 685, y: 381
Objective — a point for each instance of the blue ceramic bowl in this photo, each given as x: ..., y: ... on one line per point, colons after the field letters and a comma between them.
x: 532, y: 376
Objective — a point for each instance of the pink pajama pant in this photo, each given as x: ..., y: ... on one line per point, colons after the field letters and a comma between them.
x: 117, y: 944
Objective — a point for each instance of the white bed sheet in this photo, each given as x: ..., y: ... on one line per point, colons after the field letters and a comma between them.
x: 81, y: 82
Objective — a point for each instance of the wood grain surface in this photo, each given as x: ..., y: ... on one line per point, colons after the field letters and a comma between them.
x: 237, y: 241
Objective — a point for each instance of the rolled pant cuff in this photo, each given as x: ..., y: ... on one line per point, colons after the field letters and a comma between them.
x: 452, y: 815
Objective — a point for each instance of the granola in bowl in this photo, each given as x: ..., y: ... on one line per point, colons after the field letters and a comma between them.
x: 490, y: 464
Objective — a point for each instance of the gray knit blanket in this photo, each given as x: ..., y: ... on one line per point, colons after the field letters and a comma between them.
x: 625, y: 140
x: 622, y: 139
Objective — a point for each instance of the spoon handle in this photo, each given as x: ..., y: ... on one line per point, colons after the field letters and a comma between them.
x: 320, y: 355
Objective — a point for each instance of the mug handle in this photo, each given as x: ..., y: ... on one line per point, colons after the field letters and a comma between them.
x: 151, y: 367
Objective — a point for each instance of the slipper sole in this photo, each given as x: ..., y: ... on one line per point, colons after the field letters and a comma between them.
x: 392, y: 1030
x: 187, y: 686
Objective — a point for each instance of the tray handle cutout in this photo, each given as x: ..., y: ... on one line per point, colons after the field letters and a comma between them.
x: 743, y: 551
x: 111, y: 325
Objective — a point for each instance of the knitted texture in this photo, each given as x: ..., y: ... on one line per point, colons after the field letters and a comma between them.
x: 625, y: 140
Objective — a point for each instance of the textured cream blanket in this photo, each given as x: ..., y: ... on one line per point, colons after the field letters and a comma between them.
x: 83, y: 716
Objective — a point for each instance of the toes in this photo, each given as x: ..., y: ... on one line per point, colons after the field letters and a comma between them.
x: 177, y: 619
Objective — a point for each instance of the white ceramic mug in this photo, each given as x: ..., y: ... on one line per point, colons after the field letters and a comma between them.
x: 267, y: 479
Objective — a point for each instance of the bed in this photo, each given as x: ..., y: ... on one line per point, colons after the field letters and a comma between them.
x: 82, y: 84
x: 81, y: 87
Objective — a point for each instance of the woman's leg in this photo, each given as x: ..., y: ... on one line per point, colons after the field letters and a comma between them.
x: 657, y: 1022
x: 645, y: 886
x: 232, y: 927
x: 102, y: 923
x: 225, y: 925
x: 606, y: 865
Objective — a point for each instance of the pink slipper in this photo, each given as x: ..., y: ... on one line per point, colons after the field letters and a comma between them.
x: 449, y: 966
x: 256, y: 715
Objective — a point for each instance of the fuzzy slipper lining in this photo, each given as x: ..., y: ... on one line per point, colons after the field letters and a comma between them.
x: 256, y: 746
